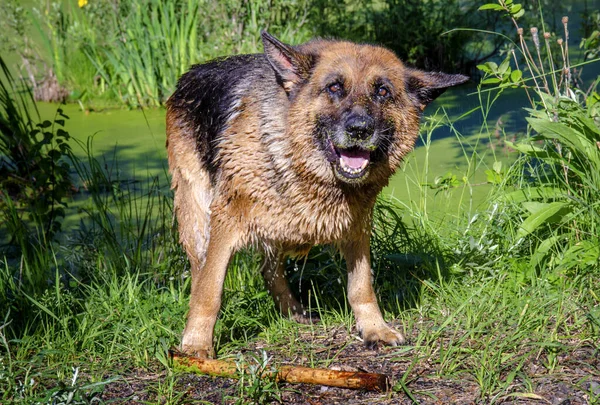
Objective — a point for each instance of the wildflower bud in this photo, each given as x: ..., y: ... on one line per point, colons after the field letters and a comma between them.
x: 559, y: 41
x: 536, y: 39
x: 546, y: 35
x: 520, y: 32
x: 565, y: 19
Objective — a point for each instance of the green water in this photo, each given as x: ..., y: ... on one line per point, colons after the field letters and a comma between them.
x: 135, y: 137
x: 131, y: 144
x: 465, y: 146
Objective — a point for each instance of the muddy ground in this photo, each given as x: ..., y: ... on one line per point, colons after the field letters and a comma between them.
x: 575, y: 381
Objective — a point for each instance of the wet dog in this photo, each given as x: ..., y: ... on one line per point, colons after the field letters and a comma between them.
x: 285, y: 150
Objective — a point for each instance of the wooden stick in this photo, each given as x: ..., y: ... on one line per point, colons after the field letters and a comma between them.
x: 291, y: 374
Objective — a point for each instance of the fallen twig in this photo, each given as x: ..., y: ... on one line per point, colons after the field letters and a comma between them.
x: 292, y: 374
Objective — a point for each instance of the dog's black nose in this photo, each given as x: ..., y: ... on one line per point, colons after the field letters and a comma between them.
x: 360, y: 126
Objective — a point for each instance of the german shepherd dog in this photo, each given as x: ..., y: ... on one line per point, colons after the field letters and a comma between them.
x: 285, y: 150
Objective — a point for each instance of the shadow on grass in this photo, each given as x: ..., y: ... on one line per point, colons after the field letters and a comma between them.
x: 402, y: 257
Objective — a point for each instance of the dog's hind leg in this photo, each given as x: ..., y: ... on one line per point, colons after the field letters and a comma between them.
x: 273, y: 271
x: 193, y: 193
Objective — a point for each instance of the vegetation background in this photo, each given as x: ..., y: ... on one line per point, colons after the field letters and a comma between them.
x: 485, y: 247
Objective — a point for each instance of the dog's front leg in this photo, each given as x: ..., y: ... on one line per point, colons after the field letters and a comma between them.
x: 207, y: 289
x: 361, y: 295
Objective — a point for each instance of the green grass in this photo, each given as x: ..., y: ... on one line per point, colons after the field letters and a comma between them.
x: 483, y: 328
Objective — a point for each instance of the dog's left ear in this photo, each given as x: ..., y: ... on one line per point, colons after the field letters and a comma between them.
x: 291, y: 66
x: 425, y: 87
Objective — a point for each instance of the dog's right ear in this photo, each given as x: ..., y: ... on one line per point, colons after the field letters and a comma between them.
x: 291, y: 66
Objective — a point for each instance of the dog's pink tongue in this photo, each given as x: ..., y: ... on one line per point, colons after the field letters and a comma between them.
x: 355, y: 159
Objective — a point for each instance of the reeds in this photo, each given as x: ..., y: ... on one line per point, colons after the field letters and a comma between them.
x: 557, y: 175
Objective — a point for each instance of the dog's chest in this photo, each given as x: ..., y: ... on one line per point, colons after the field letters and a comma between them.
x: 295, y: 213
x: 306, y: 219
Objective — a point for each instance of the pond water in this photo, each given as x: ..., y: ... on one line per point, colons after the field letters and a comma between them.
x: 131, y: 143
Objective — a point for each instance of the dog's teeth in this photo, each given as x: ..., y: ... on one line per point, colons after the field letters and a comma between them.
x: 353, y: 170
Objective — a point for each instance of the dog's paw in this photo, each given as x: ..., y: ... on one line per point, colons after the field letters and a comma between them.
x: 197, y: 352
x: 194, y: 345
x: 382, y: 335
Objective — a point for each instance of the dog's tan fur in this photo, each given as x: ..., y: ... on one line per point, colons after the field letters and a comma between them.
x: 260, y: 179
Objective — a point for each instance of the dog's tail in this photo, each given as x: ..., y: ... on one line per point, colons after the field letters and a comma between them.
x: 193, y: 190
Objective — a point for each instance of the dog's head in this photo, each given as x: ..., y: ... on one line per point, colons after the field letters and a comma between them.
x: 358, y: 104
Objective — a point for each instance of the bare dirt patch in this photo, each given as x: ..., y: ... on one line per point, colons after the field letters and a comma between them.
x: 575, y: 380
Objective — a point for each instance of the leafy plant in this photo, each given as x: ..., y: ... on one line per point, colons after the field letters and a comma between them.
x: 257, y: 383
x: 34, y: 173
x: 558, y: 176
x: 140, y: 48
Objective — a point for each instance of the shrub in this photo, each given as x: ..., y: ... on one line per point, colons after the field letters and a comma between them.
x: 34, y: 175
x: 552, y: 190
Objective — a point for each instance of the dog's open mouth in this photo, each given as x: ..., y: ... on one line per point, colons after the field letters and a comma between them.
x: 353, y: 163
x: 349, y: 164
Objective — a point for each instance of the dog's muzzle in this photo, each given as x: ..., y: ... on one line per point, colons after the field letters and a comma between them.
x: 349, y: 148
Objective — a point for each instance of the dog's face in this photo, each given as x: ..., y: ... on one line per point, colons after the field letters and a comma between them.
x: 358, y: 104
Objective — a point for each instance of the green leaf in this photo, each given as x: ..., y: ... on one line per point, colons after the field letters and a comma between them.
x: 504, y: 66
x: 519, y: 13
x: 533, y: 193
x: 515, y: 8
x: 491, y: 80
x: 526, y: 148
x: 534, y: 206
x: 484, y: 68
x: 493, y: 66
x: 62, y: 133
x: 593, y: 98
x: 585, y: 253
x: 515, y: 76
x: 543, y: 249
x: 544, y: 214
x: 491, y: 6
x: 570, y: 136
x: 492, y: 177
x: 497, y: 166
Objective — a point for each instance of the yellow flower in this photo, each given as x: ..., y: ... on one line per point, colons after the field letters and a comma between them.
x: 82, y: 3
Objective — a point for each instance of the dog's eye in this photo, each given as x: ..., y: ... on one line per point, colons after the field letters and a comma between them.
x: 335, y: 88
x: 383, y: 92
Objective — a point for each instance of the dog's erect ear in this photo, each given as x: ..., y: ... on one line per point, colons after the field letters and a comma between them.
x: 425, y: 87
x: 291, y: 66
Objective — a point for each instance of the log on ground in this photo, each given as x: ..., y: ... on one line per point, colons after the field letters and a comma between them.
x: 291, y: 374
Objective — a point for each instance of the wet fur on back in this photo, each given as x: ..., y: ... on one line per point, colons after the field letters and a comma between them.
x: 285, y: 150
